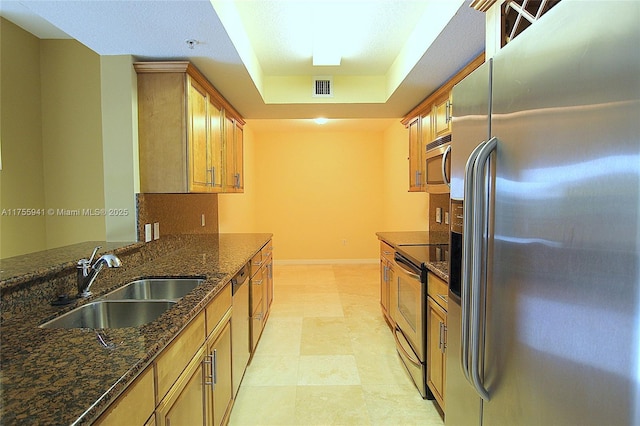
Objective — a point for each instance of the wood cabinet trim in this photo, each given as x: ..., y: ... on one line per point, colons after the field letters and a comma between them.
x: 482, y: 5
x: 189, y: 68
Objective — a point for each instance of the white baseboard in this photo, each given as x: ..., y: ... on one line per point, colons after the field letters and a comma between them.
x: 325, y: 261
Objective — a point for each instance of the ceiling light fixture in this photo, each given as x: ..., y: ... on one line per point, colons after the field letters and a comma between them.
x: 321, y: 120
x: 191, y: 43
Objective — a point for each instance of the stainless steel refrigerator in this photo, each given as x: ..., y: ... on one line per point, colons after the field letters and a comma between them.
x: 544, y: 310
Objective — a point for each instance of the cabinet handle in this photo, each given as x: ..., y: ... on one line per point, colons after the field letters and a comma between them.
x: 208, y: 378
x: 213, y: 176
x: 258, y: 282
x: 444, y: 338
x: 447, y: 112
x: 215, y: 368
x: 443, y: 297
x: 440, y: 337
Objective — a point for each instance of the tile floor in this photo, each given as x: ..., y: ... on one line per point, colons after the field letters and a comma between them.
x: 327, y: 357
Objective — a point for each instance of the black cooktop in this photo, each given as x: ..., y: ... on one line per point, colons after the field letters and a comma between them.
x: 420, y: 255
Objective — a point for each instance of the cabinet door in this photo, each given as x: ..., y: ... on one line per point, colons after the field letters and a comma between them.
x: 220, y: 386
x: 197, y: 137
x: 238, y: 137
x: 415, y: 157
x: 214, y: 115
x: 436, y: 347
x: 442, y: 112
x: 185, y: 404
x: 234, y: 180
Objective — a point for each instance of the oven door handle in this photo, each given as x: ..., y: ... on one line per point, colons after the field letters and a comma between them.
x: 399, y: 346
x: 405, y: 265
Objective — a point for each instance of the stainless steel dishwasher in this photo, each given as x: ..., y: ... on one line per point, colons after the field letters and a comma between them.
x: 240, y: 344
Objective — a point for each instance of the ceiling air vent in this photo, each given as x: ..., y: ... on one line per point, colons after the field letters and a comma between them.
x: 322, y: 87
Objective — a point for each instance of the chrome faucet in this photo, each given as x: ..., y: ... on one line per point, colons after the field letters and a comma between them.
x: 87, y: 272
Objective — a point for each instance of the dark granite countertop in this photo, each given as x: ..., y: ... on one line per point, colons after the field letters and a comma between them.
x: 66, y: 376
x: 399, y: 239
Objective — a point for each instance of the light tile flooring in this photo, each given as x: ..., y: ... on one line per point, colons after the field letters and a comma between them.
x: 327, y: 357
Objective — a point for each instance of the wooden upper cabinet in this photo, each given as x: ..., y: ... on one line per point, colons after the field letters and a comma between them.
x: 429, y: 120
x: 234, y: 174
x: 198, y: 137
x: 442, y: 113
x: 416, y: 171
x: 182, y: 131
x: 216, y: 150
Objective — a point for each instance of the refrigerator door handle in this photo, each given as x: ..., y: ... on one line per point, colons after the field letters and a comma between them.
x: 480, y: 218
x: 467, y: 250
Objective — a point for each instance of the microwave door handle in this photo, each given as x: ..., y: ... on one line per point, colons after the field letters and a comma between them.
x: 479, y: 261
x: 467, y: 250
x: 446, y: 179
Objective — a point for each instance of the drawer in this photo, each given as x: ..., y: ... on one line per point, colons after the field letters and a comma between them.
x: 174, y: 359
x: 438, y: 290
x: 386, y: 251
x: 261, y: 257
x: 257, y: 283
x: 218, y: 307
x: 134, y: 406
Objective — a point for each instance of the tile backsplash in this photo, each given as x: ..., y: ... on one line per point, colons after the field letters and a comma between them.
x: 177, y: 213
x: 438, y: 201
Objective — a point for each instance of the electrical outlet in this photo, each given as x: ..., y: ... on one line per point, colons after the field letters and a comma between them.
x: 438, y: 215
x: 147, y: 232
x: 202, y: 220
x: 446, y: 217
x: 156, y: 231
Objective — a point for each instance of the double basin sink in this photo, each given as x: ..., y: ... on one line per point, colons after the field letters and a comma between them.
x: 134, y: 304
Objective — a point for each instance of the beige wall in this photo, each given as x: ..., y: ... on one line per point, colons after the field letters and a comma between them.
x: 72, y: 140
x: 22, y: 175
x: 52, y: 141
x: 238, y: 212
x: 403, y: 210
x: 119, y: 99
x: 315, y: 188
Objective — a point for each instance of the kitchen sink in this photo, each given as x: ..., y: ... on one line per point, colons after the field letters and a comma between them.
x: 111, y: 314
x: 154, y: 288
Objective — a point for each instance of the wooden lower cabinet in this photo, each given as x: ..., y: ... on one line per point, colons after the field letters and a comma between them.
x: 202, y: 393
x: 436, y: 336
x: 184, y: 404
x: 219, y: 386
x: 134, y: 406
x: 260, y: 292
x: 437, y: 320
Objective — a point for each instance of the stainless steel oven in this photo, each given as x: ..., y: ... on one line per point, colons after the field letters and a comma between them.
x: 408, y: 310
x: 438, y: 165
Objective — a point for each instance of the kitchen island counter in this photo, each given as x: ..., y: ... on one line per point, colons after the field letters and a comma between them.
x: 69, y: 376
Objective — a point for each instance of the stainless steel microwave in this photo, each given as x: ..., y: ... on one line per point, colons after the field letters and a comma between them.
x: 438, y: 165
